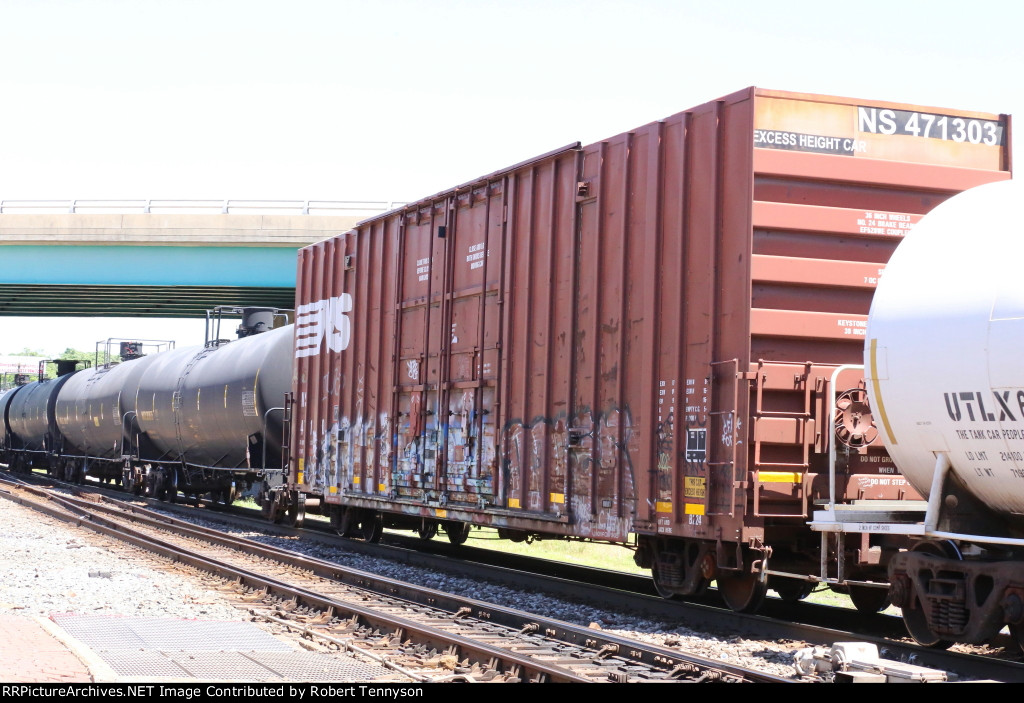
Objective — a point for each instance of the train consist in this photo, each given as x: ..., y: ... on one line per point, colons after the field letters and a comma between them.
x: 195, y: 420
x: 654, y: 340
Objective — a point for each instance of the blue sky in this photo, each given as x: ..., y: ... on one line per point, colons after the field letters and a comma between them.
x: 395, y: 100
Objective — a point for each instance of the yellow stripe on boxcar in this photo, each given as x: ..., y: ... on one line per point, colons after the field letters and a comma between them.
x: 779, y: 477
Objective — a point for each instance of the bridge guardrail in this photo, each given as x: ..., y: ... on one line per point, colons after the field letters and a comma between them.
x: 360, y: 208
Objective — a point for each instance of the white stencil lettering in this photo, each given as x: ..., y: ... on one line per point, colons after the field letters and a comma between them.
x: 323, y: 319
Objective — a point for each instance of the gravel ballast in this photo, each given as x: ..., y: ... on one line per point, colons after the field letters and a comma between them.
x: 51, y: 567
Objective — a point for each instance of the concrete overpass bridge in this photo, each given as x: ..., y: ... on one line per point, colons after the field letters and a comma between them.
x: 159, y: 258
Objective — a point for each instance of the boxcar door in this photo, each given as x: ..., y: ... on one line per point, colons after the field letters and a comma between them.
x: 420, y: 314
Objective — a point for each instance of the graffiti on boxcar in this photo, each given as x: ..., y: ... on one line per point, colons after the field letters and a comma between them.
x: 601, y: 452
x: 615, y: 442
x: 727, y: 431
x: 451, y: 460
x: 415, y: 438
x: 345, y: 455
x: 352, y: 459
x: 528, y: 447
x: 369, y: 444
x: 664, y: 434
x: 355, y: 469
x: 322, y: 470
x: 384, y: 442
x: 469, y: 438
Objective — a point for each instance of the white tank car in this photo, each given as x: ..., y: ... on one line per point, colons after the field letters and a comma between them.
x: 944, y: 353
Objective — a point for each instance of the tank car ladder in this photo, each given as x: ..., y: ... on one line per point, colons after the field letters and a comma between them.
x: 286, y: 432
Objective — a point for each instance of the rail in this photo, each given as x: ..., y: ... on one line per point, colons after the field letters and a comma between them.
x: 208, y: 207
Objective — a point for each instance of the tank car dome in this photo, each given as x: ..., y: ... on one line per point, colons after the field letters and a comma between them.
x: 944, y: 349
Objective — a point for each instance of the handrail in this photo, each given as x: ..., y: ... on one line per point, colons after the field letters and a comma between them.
x: 223, y: 207
x: 832, y: 455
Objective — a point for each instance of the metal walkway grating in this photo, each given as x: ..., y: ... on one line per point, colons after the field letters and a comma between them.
x: 113, y: 634
x: 147, y: 648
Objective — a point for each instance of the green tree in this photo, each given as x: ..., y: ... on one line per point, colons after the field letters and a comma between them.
x: 80, y: 355
x: 88, y: 358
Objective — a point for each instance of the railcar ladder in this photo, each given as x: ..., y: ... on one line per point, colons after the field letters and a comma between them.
x: 723, y: 426
x: 286, y: 430
x: 800, y: 423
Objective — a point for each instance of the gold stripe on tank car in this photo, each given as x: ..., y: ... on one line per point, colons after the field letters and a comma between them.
x: 878, y: 391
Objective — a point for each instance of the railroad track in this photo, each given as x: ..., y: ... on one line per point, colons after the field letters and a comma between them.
x: 778, y: 621
x: 425, y: 633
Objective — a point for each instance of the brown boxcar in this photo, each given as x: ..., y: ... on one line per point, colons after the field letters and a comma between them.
x: 640, y: 340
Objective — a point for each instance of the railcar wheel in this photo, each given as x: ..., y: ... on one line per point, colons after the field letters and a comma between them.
x: 914, y: 619
x: 296, y: 509
x: 371, y: 527
x: 457, y: 532
x: 271, y: 508
x: 267, y: 501
x: 869, y: 600
x: 427, y: 530
x: 791, y: 590
x: 743, y: 593
x: 341, y: 520
x: 172, y: 486
x: 225, y: 496
x: 660, y: 587
x: 1017, y: 634
x: 917, y: 627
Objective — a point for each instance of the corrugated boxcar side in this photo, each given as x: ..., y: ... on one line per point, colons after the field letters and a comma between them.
x: 343, y: 373
x: 535, y: 380
x: 637, y: 335
x: 826, y: 216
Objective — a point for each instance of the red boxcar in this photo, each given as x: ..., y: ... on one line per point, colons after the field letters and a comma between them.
x: 640, y: 339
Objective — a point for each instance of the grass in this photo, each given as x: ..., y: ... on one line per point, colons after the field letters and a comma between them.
x: 612, y: 557
x: 599, y: 555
